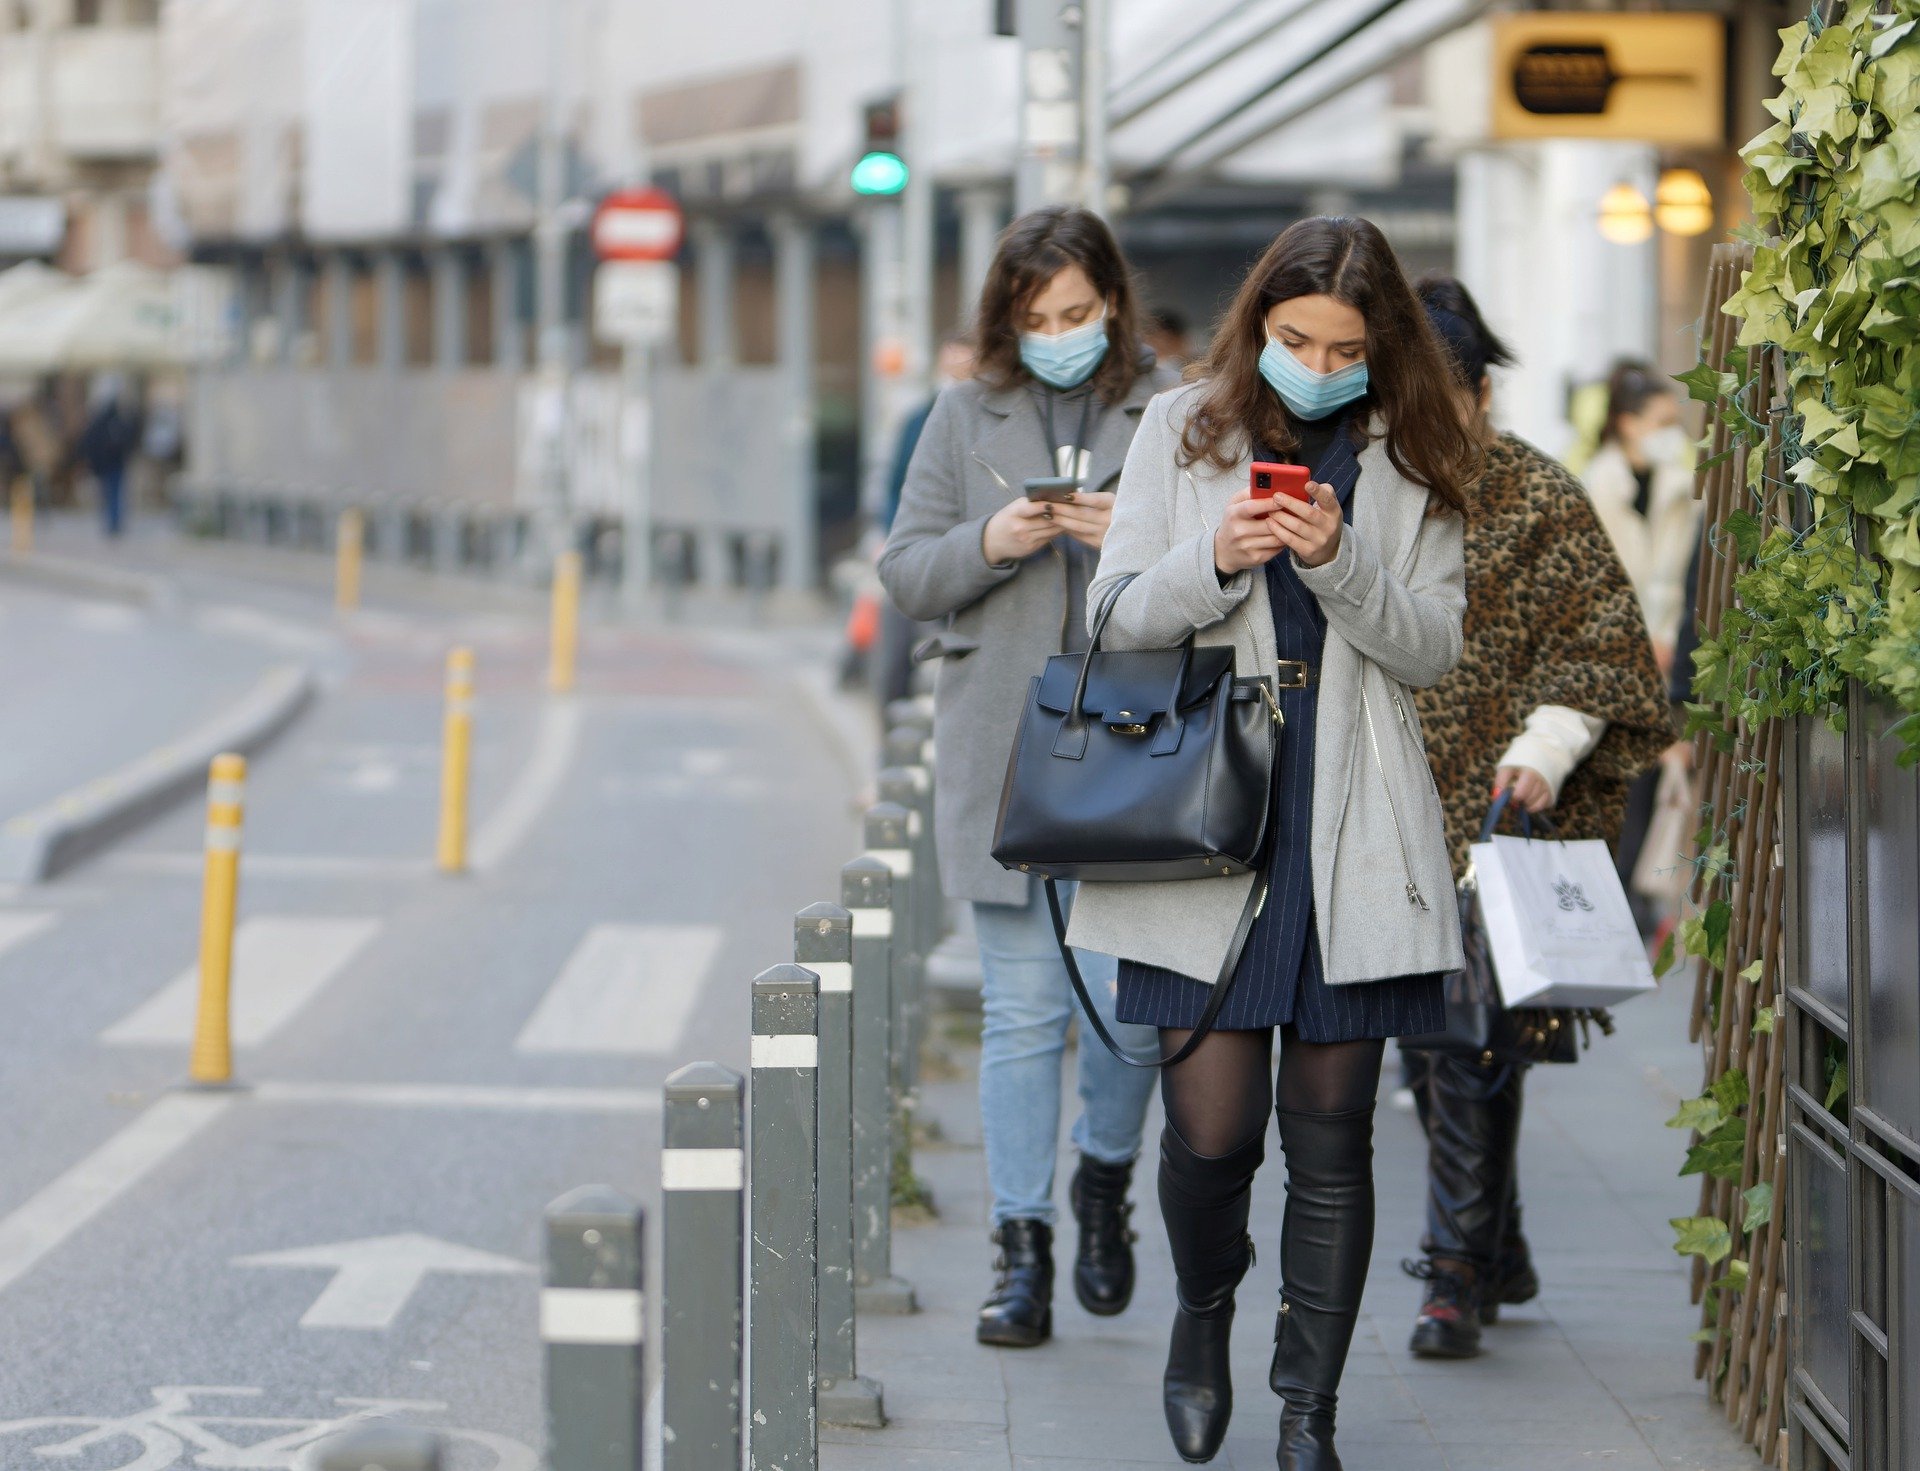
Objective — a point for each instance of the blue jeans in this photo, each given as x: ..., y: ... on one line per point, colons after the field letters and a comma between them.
x: 1028, y: 1001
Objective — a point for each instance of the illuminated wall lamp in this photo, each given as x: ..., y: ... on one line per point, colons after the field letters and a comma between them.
x: 1625, y: 218
x: 1682, y: 203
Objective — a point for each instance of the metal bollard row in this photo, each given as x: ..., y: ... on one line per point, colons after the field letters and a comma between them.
x: 777, y: 1190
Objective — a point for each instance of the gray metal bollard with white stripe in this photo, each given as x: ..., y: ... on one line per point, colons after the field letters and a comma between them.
x: 823, y: 944
x: 912, y: 788
x: 378, y: 1448
x: 905, y: 745
x: 783, y: 1106
x: 593, y: 1323
x: 889, y: 837
x: 866, y: 890
x: 702, y: 1251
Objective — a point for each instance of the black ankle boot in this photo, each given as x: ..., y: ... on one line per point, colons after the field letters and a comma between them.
x: 1018, y: 1313
x: 1103, y: 1265
x: 1204, y: 1200
x: 1451, y: 1313
x: 1325, y: 1242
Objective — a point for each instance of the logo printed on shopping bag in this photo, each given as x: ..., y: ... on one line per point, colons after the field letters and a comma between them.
x: 1569, y: 894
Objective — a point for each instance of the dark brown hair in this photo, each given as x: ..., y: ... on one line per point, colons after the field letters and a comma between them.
x: 1630, y: 387
x: 1408, y: 375
x: 1472, y: 346
x: 1032, y: 251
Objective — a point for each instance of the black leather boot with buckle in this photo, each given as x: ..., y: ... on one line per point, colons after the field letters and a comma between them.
x: 1204, y: 1201
x: 1018, y: 1313
x: 1103, y: 1265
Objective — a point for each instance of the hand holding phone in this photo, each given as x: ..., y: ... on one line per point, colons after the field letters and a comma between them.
x: 1267, y: 480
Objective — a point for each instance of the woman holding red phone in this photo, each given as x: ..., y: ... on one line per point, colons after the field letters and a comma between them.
x: 1341, y: 601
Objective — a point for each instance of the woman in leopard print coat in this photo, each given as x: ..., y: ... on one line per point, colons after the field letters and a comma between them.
x: 1558, y: 697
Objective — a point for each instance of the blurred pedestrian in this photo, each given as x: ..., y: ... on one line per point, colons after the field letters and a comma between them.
x: 1557, y: 698
x: 1168, y: 336
x: 1062, y: 377
x: 107, y: 444
x: 1642, y: 486
x: 1340, y: 603
x: 893, y: 653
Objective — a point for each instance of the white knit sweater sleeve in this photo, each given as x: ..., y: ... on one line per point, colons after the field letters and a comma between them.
x: 1554, y: 741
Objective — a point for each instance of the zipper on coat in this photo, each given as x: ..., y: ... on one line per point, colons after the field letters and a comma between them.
x: 1393, y: 808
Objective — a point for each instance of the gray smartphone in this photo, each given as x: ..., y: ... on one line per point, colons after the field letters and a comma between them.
x: 1055, y: 489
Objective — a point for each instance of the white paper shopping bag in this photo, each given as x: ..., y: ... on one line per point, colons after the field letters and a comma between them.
x: 1558, y: 923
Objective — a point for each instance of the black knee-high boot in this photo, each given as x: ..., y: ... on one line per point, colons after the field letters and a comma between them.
x: 1204, y: 1199
x: 1325, y: 1243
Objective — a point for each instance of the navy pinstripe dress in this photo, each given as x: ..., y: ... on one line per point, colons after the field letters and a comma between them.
x: 1279, y: 978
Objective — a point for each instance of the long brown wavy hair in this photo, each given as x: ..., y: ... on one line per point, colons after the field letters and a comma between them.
x: 1031, y: 252
x: 1409, y: 381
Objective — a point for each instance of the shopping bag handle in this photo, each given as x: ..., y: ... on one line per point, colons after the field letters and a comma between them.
x: 1527, y: 820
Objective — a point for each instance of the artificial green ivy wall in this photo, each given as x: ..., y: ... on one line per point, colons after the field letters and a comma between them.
x: 1835, y: 286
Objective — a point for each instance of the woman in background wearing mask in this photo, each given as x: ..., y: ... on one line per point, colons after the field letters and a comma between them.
x: 1642, y: 486
x: 1556, y: 699
x: 1060, y: 380
x: 1340, y: 604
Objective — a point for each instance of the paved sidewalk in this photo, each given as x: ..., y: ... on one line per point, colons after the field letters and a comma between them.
x: 1596, y: 1372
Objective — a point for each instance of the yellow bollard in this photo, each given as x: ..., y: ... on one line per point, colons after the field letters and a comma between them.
x: 22, y: 516
x: 566, y: 622
x: 212, y: 1060
x: 350, y: 535
x: 455, y: 760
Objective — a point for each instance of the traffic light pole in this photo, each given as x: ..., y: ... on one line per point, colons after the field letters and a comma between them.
x: 1052, y: 66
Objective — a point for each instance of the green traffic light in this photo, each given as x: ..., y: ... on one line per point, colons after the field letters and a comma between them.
x: 880, y: 173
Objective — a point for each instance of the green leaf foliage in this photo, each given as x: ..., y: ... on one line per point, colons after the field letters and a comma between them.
x: 1707, y: 1237
x: 1835, y: 289
x: 1759, y: 1207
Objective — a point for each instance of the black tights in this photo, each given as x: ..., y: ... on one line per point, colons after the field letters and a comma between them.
x: 1218, y: 1099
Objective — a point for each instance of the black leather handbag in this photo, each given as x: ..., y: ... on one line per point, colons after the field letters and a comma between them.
x: 1477, y: 1025
x: 1144, y: 765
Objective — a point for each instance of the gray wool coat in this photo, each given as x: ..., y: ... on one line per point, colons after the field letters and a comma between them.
x: 1395, y: 599
x: 979, y: 444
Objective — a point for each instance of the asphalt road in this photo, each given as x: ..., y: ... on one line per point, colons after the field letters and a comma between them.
x: 425, y: 1057
x: 148, y: 676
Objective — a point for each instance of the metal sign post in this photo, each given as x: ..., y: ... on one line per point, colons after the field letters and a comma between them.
x: 636, y: 302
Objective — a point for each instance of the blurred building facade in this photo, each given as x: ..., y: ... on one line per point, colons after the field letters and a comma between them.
x: 379, y: 175
x: 79, y: 131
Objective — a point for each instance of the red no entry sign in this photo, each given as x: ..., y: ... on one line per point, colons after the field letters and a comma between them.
x: 638, y: 224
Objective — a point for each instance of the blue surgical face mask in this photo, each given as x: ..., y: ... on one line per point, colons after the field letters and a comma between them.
x: 1307, y: 394
x: 1067, y: 359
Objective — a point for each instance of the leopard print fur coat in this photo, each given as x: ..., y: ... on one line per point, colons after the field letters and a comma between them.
x: 1551, y: 620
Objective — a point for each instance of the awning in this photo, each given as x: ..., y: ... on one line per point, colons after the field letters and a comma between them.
x: 1268, y: 88
x: 122, y: 316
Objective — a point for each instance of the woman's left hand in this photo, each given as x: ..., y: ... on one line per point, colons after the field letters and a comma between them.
x: 1086, y: 517
x: 1310, y: 532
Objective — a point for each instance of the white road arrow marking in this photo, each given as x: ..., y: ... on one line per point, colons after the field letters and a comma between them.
x: 373, y: 1279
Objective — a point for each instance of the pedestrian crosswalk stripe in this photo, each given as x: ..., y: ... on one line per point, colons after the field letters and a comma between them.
x: 20, y: 925
x: 280, y: 963
x: 627, y: 989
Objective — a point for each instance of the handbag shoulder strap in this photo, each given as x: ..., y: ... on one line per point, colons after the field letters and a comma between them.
x: 1256, y: 897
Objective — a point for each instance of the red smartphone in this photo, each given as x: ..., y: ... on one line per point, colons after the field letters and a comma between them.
x: 1270, y: 480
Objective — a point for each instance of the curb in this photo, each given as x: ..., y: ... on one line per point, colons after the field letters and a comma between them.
x: 69, y: 574
x: 36, y: 845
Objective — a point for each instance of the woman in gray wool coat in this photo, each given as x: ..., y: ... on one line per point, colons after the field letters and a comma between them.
x: 1061, y: 380
x: 1343, y: 602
